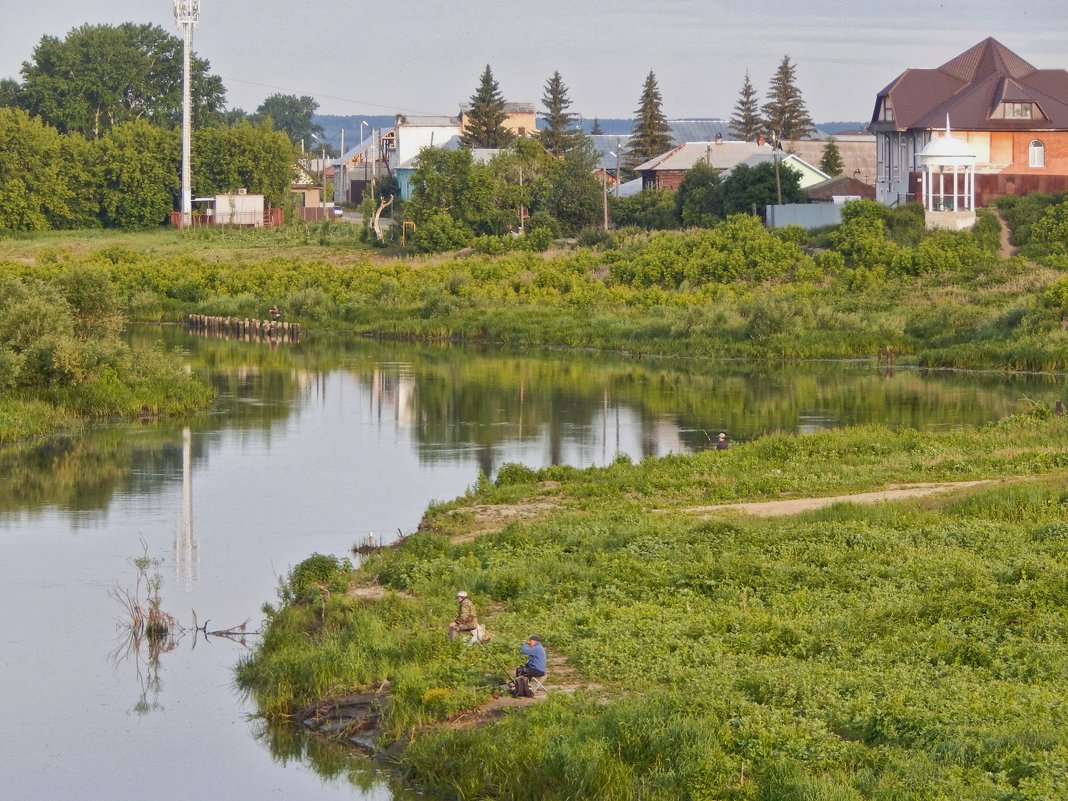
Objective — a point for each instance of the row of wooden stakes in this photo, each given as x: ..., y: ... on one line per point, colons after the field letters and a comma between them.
x: 243, y: 328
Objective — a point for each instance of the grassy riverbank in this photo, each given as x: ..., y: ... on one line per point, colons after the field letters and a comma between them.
x: 912, y: 650
x: 938, y: 299
x: 62, y: 361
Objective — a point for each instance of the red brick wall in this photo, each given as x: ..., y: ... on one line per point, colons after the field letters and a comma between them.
x: 1056, y: 147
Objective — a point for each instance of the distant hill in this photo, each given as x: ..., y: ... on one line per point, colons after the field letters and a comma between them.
x: 333, y: 124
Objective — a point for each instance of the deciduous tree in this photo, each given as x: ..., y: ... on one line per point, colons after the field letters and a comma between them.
x: 697, y: 200
x: 484, y: 120
x: 243, y: 156
x: 292, y: 116
x: 652, y: 134
x: 746, y: 123
x: 785, y: 115
x: 138, y: 171
x: 34, y: 192
x: 745, y: 187
x: 100, y: 76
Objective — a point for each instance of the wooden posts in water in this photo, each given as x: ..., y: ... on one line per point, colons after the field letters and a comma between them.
x: 243, y: 328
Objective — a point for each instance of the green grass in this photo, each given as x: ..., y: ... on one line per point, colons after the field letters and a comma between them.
x: 910, y: 650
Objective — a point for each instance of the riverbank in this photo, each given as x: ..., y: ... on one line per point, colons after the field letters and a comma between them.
x: 890, y: 650
x: 878, y: 285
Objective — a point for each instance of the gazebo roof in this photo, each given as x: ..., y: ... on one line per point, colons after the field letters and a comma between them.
x: 947, y: 151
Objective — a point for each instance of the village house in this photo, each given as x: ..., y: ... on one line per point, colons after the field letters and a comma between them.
x: 1012, y: 116
x: 667, y: 170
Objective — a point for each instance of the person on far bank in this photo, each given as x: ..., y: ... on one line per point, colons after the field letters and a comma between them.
x: 275, y: 312
x: 466, y: 621
x: 535, y: 653
x: 721, y: 443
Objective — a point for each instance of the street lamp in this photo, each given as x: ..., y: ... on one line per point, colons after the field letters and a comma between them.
x: 363, y: 123
x: 187, y: 16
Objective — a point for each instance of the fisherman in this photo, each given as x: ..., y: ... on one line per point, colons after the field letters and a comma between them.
x: 466, y: 620
x: 721, y: 443
x: 535, y: 653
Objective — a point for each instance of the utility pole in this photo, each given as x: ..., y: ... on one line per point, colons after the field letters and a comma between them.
x: 619, y: 178
x: 187, y: 16
x: 604, y: 191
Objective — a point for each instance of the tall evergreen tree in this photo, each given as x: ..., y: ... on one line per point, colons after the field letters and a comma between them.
x: 785, y: 115
x: 596, y: 130
x: 484, y: 120
x: 831, y: 160
x: 559, y: 136
x: 652, y: 134
x: 746, y: 123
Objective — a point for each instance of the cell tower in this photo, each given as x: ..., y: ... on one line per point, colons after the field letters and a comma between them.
x: 187, y: 15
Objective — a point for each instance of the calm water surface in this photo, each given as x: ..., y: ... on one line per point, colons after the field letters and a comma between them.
x: 311, y: 448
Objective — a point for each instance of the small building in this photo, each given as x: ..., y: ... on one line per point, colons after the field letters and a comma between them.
x: 239, y: 208
x: 1012, y: 115
x: 807, y: 174
x: 519, y: 118
x: 667, y: 170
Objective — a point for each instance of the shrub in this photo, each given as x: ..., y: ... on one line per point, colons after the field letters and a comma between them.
x: 318, y: 570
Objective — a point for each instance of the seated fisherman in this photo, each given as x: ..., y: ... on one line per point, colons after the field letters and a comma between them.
x: 466, y: 621
x: 535, y: 654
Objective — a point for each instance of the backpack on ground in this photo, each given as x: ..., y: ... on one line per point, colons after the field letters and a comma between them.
x: 521, y: 688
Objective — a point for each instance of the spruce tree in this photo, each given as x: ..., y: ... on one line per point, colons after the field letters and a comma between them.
x: 652, y: 134
x: 559, y: 136
x: 596, y: 130
x: 746, y: 123
x: 484, y: 120
x: 831, y: 160
x: 785, y: 115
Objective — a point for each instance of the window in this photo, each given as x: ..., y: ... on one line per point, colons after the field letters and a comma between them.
x: 1017, y: 111
x: 887, y: 111
x: 1036, y: 154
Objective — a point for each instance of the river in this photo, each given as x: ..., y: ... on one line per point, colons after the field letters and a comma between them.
x: 314, y: 448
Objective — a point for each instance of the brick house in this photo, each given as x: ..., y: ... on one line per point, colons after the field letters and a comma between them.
x: 1012, y: 115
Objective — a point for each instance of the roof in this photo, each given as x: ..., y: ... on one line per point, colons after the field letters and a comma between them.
x: 809, y: 175
x: 970, y: 88
x: 699, y: 130
x: 840, y: 186
x: 857, y: 154
x: 428, y: 121
x: 722, y: 155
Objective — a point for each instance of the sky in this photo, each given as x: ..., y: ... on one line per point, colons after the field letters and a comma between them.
x: 426, y: 56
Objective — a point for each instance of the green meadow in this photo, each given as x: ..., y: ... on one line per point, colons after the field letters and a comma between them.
x: 915, y: 649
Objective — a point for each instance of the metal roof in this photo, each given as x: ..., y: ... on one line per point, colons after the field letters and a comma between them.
x: 722, y: 155
x: 970, y: 87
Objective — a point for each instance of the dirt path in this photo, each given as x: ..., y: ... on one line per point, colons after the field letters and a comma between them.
x: 793, y: 506
x: 1006, y: 250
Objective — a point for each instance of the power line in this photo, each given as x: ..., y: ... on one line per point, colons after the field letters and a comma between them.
x: 319, y: 95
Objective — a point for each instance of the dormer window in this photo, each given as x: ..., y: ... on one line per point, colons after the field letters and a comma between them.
x: 1018, y: 111
x: 886, y: 111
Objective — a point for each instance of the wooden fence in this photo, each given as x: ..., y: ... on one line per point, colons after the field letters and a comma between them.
x: 238, y: 328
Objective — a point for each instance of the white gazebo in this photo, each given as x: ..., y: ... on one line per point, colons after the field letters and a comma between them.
x: 947, y: 160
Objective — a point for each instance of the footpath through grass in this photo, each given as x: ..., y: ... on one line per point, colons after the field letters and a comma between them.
x: 910, y: 650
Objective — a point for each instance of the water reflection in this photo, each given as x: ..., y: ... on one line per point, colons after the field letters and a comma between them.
x: 489, y: 407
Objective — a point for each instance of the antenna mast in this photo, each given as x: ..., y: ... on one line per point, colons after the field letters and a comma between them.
x: 187, y: 15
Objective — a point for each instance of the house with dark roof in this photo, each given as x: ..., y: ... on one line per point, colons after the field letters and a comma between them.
x: 667, y: 170
x: 1013, y: 115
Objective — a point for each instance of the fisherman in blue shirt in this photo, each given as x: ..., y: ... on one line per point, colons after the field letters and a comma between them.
x: 535, y: 654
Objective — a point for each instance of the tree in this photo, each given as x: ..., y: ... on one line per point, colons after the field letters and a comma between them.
x: 745, y: 187
x: 746, y: 123
x: 572, y: 195
x: 34, y: 192
x: 9, y: 93
x: 101, y: 76
x: 138, y: 169
x: 785, y: 115
x: 484, y: 120
x: 652, y: 134
x: 292, y: 116
x: 697, y: 200
x: 831, y: 160
x: 559, y: 136
x: 243, y: 156
x: 651, y: 209
x: 449, y: 181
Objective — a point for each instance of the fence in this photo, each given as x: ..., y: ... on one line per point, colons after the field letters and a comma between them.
x: 807, y: 215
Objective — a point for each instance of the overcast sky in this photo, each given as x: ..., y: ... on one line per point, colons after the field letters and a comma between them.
x: 425, y: 56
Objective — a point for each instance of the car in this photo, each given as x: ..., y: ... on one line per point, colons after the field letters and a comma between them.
x: 338, y: 212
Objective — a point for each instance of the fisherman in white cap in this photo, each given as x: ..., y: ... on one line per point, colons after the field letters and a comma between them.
x: 466, y: 621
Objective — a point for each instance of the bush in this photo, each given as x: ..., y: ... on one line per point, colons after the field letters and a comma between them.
x: 318, y: 570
